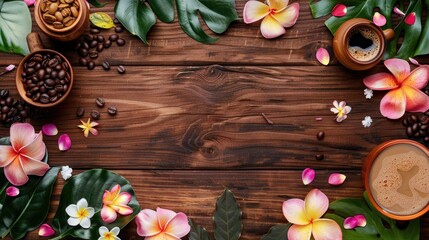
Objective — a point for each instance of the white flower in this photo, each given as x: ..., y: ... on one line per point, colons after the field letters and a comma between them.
x: 80, y: 213
x: 368, y: 93
x: 105, y: 234
x: 66, y: 172
x: 367, y: 121
x: 341, y: 110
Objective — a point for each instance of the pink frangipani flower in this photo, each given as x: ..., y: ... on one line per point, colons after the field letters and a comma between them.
x: 24, y: 156
x: 308, y: 176
x: 341, y: 109
x: 162, y: 224
x: 114, y: 202
x: 404, y: 88
x: 277, y: 16
x: 46, y: 230
x: 306, y: 218
x: 339, y: 10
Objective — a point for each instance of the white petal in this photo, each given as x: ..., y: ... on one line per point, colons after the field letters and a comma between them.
x: 90, y: 212
x: 85, y: 223
x: 71, y: 210
x: 73, y: 221
x: 82, y: 203
x: 115, y: 230
x: 102, y: 230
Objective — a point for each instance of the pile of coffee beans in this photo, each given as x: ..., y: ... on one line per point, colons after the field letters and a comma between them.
x: 46, y: 77
x: 12, y: 110
x: 60, y: 13
x: 417, y: 127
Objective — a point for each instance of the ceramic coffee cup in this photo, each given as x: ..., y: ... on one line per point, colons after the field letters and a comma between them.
x: 395, y: 175
x: 359, y: 44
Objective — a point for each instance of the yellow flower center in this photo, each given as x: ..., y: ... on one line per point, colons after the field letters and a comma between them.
x: 82, y: 213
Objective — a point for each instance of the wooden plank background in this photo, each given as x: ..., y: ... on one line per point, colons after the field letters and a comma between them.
x: 190, y: 123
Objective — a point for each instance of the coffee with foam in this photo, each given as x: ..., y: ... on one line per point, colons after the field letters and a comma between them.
x: 364, y: 44
x: 399, y: 179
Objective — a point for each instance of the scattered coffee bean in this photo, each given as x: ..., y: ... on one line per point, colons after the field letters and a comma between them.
x: 100, y: 38
x: 99, y: 47
x: 100, y: 102
x: 90, y: 65
x: 112, y: 111
x: 121, y: 69
x: 116, y: 21
x: 320, y: 157
x: 93, y: 54
x: 107, y: 44
x: 4, y: 93
x: 83, y: 52
x: 83, y: 61
x: 80, y: 111
x: 93, y: 43
x: 113, y: 37
x: 95, y: 114
x: 106, y: 65
x: 119, y: 29
x: 320, y: 135
x: 120, y: 42
x: 94, y: 31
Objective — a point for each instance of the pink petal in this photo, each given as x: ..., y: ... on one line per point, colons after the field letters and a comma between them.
x: 93, y: 131
x: 254, y: 11
x: 418, y: 78
x: 7, y: 155
x: 350, y: 223
x: 393, y: 104
x: 380, y: 81
x: 398, y: 11
x: 322, y: 55
x: 21, y: 134
x: 147, y: 223
x: 318, y: 118
x: 339, y: 10
x: 122, y: 209
x: 279, y: 5
x: 271, y: 28
x: 326, y: 229
x: 108, y: 214
x: 36, y: 149
x: 294, y: 211
x: 178, y: 226
x: 414, y: 61
x: 336, y: 179
x: 316, y: 204
x: 33, y: 167
x: 45, y: 230
x: 164, y: 215
x: 12, y: 191
x: 288, y: 16
x: 10, y: 67
x: 379, y: 19
x: 399, y: 68
x: 50, y: 129
x: 417, y: 101
x: 29, y: 2
x: 308, y: 176
x: 64, y: 142
x: 299, y: 232
x: 15, y: 173
x: 123, y: 199
x: 115, y: 190
x: 410, y: 19
x: 360, y: 220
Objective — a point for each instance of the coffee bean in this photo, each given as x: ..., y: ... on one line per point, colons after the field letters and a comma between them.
x: 320, y: 135
x: 107, y: 44
x: 415, y: 127
x: 106, y: 65
x: 100, y: 102
x: 4, y: 93
x: 99, y: 47
x: 414, y: 118
x: 53, y: 62
x: 77, y: 46
x: 83, y: 61
x: 120, y: 42
x: 112, y: 110
x: 121, y: 69
x: 405, y: 122
x: 427, y: 113
x: 83, y: 52
x: 113, y: 37
x: 320, y: 157
x: 85, y: 45
x: 95, y: 114
x: 410, y: 132
x: 44, y: 98
x: 90, y: 65
x: 119, y: 29
x: 93, y: 54
x: 116, y: 21
x: 94, y: 31
x: 88, y: 38
x: 100, y: 38
x: 80, y: 111
x: 426, y: 139
x: 93, y: 43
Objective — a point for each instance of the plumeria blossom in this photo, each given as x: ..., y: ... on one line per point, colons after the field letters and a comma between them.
x: 24, y: 156
x: 80, y: 214
x: 404, y: 88
x: 355, y: 221
x: 322, y: 55
x: 12, y: 191
x: 308, y: 176
x: 367, y: 121
x: 336, y: 179
x: 276, y: 15
x: 105, y: 234
x: 66, y: 172
x: 368, y: 93
x: 378, y: 19
x: 339, y: 10
x: 46, y: 230
x: 88, y: 127
x: 115, y: 201
x: 306, y: 218
x: 162, y: 224
x: 341, y: 109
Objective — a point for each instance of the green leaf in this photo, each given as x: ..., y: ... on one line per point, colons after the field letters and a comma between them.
x: 227, y: 218
x: 136, y: 17
x: 97, y: 4
x: 101, y: 20
x: 423, y: 45
x: 411, y: 33
x: 91, y: 185
x: 277, y: 232
x: 378, y: 227
x: 15, y: 25
x: 197, y: 232
x: 164, y: 9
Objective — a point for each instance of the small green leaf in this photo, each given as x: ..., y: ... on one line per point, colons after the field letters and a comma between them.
x: 277, y: 232
x: 197, y: 232
x: 227, y: 218
x: 97, y: 4
x: 101, y: 20
x: 136, y: 17
x: 164, y: 9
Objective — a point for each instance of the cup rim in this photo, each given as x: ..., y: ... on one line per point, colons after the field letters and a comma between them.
x: 366, y: 170
x: 39, y: 12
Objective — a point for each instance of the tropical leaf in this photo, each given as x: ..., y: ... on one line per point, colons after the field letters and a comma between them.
x: 164, y: 9
x: 378, y: 227
x: 277, y: 232
x: 97, y: 4
x: 15, y: 25
x: 197, y: 232
x: 101, y: 20
x: 227, y: 218
x: 91, y: 185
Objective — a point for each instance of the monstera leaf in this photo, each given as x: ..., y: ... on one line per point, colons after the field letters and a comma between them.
x: 91, y: 186
x: 277, y: 232
x: 197, y: 232
x: 415, y: 37
x: 138, y: 18
x: 15, y: 25
x: 378, y: 227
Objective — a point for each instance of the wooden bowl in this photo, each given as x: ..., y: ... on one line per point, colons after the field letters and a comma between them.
x: 35, y: 46
x: 366, y: 170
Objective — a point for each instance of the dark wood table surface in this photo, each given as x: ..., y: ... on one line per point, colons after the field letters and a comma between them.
x: 190, y: 123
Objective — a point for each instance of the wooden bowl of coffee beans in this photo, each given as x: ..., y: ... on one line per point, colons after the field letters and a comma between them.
x: 44, y: 78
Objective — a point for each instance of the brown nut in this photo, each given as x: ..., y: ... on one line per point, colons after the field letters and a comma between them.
x: 49, y: 18
x: 53, y: 8
x: 63, y: 5
x: 68, y: 21
x: 58, y: 25
x: 66, y: 12
x: 74, y: 12
x: 62, y: 1
x: 59, y: 16
x: 76, y: 4
x: 44, y: 6
x: 69, y: 1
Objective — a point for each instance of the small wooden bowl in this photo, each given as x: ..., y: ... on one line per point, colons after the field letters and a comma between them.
x: 366, y: 170
x: 35, y: 46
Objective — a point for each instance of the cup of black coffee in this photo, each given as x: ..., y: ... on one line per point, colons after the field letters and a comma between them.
x: 359, y: 44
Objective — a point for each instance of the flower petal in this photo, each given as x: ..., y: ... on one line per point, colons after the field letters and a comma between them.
x: 326, y: 229
x: 122, y: 209
x: 10, y: 67
x: 64, y: 142
x: 33, y: 167
x: 271, y: 28
x: 254, y: 11
x: 50, y: 129
x: 15, y: 173
x: 178, y: 226
x: 147, y: 223
x: 91, y: 211
x: 164, y: 215
x: 115, y: 190
x: 339, y: 10
x: 45, y: 230
x: 417, y: 101
x: 115, y: 230
x: 361, y: 220
x: 336, y: 179
x: 108, y: 214
x: 7, y: 155
x: 380, y: 81
x: 308, y: 176
x: 29, y: 2
x: 72, y: 221
x: 288, y: 16
x: 161, y: 236
x: 278, y: 5
x: 379, y: 19
x: 21, y: 134
x: 322, y: 55
x: 123, y: 199
x: 85, y: 223
x: 316, y: 204
x: 410, y: 19
x: 399, y: 68
x: 82, y: 203
x: 294, y: 211
x: 299, y: 232
x: 393, y: 104
x: 350, y: 223
x: 93, y: 131
x: 36, y: 149
x: 102, y: 230
x: 335, y: 103
x: 418, y: 78
x: 72, y: 211
x: 12, y: 191
x: 398, y: 11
